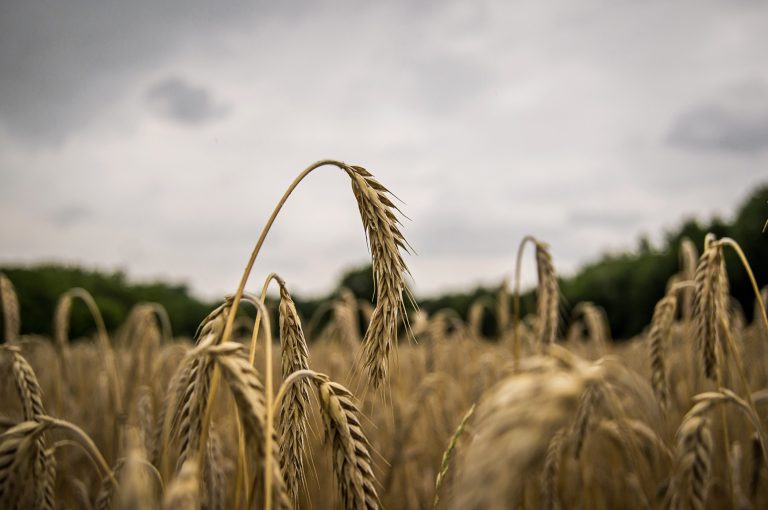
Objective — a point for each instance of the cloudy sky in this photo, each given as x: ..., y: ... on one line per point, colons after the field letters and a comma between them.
x: 156, y: 136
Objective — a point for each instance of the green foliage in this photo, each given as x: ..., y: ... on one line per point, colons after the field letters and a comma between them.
x: 39, y: 288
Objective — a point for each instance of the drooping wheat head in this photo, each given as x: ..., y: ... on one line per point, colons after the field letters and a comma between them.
x: 387, y: 244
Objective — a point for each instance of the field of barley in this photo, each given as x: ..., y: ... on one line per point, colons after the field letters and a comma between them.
x: 418, y: 412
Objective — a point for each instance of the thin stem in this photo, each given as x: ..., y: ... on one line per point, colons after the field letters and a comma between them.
x: 294, y: 377
x: 249, y: 266
x: 85, y: 440
x: 266, y: 325
x: 262, y: 298
x: 516, y: 297
x: 727, y: 241
x: 241, y: 474
x: 109, y: 358
x: 165, y: 321
x: 270, y: 415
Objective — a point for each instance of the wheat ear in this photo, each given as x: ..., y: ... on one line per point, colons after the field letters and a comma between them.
x: 689, y: 257
x: 548, y: 295
x: 706, y: 307
x: 11, y: 316
x: 248, y: 392
x: 551, y: 472
x: 295, y: 405
x: 351, y: 458
x: 386, y: 243
x: 694, y: 446
x: 661, y: 325
x: 31, y: 399
x: 445, y: 463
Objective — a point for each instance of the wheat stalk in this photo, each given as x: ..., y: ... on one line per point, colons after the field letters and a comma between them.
x: 18, y: 452
x: 30, y: 395
x: 351, y: 457
x: 248, y: 392
x: 689, y: 257
x: 502, y: 308
x: 584, y: 413
x: 11, y: 316
x: 192, y: 409
x: 694, y: 446
x: 445, y: 463
x: 386, y: 243
x: 295, y: 406
x: 548, y: 295
x: 706, y: 307
x: 661, y: 325
x: 551, y: 471
x: 740, y: 500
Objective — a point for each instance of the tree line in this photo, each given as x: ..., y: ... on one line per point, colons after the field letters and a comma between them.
x: 627, y: 285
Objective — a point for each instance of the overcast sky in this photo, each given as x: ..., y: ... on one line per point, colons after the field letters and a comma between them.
x: 156, y: 136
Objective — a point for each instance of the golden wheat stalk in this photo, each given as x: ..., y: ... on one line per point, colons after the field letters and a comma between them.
x: 548, y: 295
x: 689, y: 258
x: 551, y: 472
x: 445, y: 463
x: 18, y: 454
x: 295, y: 405
x: 694, y: 446
x: 248, y: 392
x: 706, y: 309
x: 386, y: 243
x: 30, y: 396
x: 351, y: 458
x: 11, y: 316
x: 661, y: 325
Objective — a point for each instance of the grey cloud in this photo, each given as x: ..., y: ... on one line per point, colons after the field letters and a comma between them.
x: 612, y: 219
x: 70, y: 215
x: 736, y: 123
x: 62, y: 62
x: 184, y: 102
x: 461, y: 235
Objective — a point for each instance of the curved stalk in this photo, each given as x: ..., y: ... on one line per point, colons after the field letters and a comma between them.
x: 102, y: 337
x: 256, y: 324
x: 109, y: 358
x: 227, y: 333
x: 85, y: 440
x: 249, y: 266
x: 164, y: 319
x: 291, y: 379
x: 516, y: 297
x: 727, y: 241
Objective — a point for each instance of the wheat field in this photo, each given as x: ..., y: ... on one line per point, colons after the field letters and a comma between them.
x: 416, y: 412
